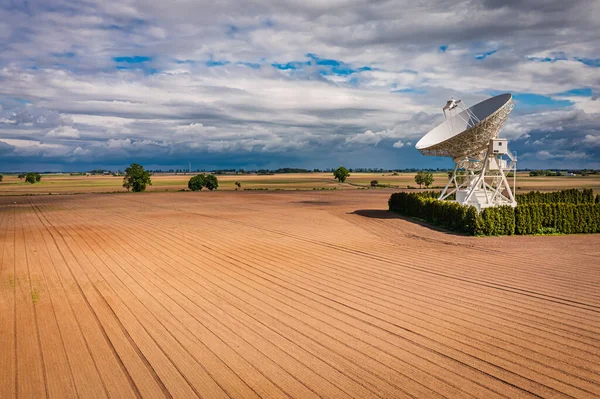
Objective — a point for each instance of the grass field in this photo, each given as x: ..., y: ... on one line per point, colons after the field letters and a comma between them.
x: 65, y: 184
x: 303, y: 294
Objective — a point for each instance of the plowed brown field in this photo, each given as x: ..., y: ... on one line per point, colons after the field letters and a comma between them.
x: 286, y: 294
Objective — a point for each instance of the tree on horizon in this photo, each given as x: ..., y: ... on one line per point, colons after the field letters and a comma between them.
x: 136, y: 178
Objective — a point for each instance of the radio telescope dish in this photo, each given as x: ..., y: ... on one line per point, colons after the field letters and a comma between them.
x: 470, y: 137
x: 468, y: 131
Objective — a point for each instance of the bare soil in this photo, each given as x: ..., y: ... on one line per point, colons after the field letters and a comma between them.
x: 286, y: 294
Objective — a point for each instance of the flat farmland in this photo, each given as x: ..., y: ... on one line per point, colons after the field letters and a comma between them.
x: 66, y: 184
x: 287, y: 294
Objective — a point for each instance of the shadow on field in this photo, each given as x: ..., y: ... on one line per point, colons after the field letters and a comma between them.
x: 313, y: 202
x: 377, y: 214
x: 384, y: 214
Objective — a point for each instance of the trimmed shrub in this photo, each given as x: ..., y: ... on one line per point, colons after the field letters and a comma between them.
x: 558, y: 217
x: 498, y: 220
x: 581, y: 215
x: 426, y: 206
x: 570, y: 196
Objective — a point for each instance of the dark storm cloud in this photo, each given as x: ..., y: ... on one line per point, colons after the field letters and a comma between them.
x: 5, y: 148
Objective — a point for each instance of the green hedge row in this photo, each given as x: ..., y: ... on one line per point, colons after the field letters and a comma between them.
x: 496, y: 221
x: 527, y: 218
x: 570, y: 196
x: 557, y: 218
x: 425, y: 205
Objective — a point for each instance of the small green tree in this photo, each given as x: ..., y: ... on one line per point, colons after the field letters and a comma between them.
x: 136, y: 178
x: 425, y: 178
x: 196, y: 183
x: 1, y: 178
x: 374, y: 183
x: 30, y: 178
x: 38, y: 177
x: 341, y: 174
x: 237, y: 184
x: 420, y: 178
x: 211, y: 182
x: 428, y: 181
x: 21, y: 176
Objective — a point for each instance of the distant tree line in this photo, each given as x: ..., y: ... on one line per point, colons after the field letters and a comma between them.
x: 535, y: 173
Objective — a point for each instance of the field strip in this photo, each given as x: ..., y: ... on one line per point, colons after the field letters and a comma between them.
x: 387, y: 276
x: 173, y: 379
x: 8, y: 376
x: 513, y: 299
x: 273, y: 215
x: 97, y: 324
x: 58, y: 376
x: 486, y: 283
x: 84, y: 371
x: 297, y: 370
x: 240, y: 296
x: 199, y: 299
x: 374, y: 246
x: 426, y: 270
x: 30, y: 373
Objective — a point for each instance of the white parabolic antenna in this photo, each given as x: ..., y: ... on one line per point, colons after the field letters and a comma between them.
x: 482, y: 160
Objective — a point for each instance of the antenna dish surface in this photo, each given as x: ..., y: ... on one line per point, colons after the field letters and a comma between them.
x: 469, y: 131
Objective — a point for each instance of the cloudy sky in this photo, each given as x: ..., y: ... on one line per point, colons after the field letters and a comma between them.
x: 304, y: 83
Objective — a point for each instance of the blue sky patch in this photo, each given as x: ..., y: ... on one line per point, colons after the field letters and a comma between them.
x: 529, y: 100
x: 483, y: 56
x: 325, y: 66
x: 213, y: 63
x: 594, y: 62
x: 583, y: 92
x: 323, y: 61
x: 548, y: 59
x: 409, y: 90
x: 444, y: 48
x: 290, y: 65
x: 136, y: 59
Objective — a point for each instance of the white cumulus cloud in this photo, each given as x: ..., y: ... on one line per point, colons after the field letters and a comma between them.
x: 64, y: 132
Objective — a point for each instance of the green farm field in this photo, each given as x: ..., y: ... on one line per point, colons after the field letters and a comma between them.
x: 66, y: 184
